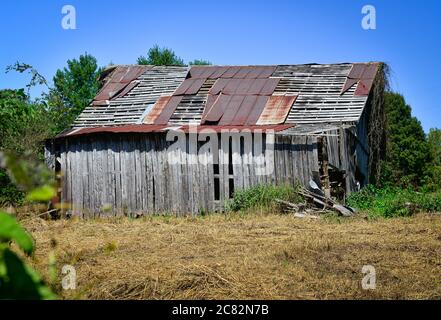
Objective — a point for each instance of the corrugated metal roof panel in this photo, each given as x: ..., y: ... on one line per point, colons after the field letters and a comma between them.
x: 230, y: 72
x: 276, y: 110
x: 267, y: 71
x: 357, y: 71
x: 242, y: 73
x: 149, y: 128
x: 134, y: 128
x: 348, y: 84
x: 245, y: 109
x: 370, y: 71
x: 241, y: 128
x: 218, y: 72
x: 363, y: 74
x: 217, y: 110
x: 183, y: 87
x: 127, y: 89
x: 156, y: 110
x: 270, y: 86
x: 218, y: 86
x: 257, y: 86
x: 364, y: 87
x: 231, y: 110
x: 194, y: 88
x: 168, y: 110
x: 197, y: 71
x: 211, y: 99
x: 257, y: 109
x: 118, y: 80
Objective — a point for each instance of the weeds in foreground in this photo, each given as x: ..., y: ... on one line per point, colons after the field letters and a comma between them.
x: 391, y: 202
x: 262, y: 196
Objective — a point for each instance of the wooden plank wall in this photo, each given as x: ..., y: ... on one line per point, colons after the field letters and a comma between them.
x: 346, y: 152
x: 296, y: 158
x: 108, y: 175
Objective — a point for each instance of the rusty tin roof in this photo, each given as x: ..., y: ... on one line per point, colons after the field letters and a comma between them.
x: 222, y: 96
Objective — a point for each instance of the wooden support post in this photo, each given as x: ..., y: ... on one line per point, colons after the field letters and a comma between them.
x: 325, y: 168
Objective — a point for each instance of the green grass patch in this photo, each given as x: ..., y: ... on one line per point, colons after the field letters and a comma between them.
x: 263, y: 196
x: 391, y: 202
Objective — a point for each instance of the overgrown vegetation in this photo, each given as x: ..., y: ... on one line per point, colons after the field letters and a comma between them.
x: 17, y: 279
x: 394, y: 201
x: 408, y: 162
x: 262, y: 196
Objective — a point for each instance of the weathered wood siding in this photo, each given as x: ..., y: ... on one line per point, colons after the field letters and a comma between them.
x: 348, y: 153
x: 106, y: 175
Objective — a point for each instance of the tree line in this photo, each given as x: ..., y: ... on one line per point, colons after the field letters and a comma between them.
x: 413, y: 158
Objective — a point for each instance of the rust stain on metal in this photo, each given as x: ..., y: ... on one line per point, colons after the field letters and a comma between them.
x: 238, y: 128
x: 127, y: 89
x: 348, y: 84
x: 242, y: 73
x: 195, y: 86
x: 257, y: 109
x: 119, y: 83
x: 270, y: 86
x: 363, y: 74
x: 257, y: 86
x: 133, y: 128
x: 364, y: 87
x: 160, y: 104
x: 211, y: 99
x: 245, y: 109
x: 267, y: 72
x: 231, y: 109
x: 218, y: 72
x: 168, y: 110
x: 276, y: 110
x: 218, y: 86
x: 184, y: 86
x: 230, y: 72
x: 197, y: 71
x: 217, y: 110
x: 151, y: 128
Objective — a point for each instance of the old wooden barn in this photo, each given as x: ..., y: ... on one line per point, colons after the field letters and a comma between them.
x: 182, y: 140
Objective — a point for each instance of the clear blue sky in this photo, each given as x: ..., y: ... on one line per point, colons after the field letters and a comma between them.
x: 407, y: 37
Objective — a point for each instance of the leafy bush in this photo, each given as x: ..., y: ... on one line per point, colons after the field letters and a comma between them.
x: 394, y: 202
x: 10, y: 195
x: 17, y: 279
x: 261, y: 196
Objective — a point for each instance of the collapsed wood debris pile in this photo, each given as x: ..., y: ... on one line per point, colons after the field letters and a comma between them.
x: 316, y: 204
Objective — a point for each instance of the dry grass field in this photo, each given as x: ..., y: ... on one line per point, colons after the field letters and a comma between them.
x: 254, y: 256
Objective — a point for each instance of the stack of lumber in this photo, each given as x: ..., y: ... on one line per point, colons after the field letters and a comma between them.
x: 316, y: 204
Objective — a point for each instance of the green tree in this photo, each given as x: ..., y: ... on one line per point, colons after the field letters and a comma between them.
x: 434, y: 141
x: 407, y: 151
x: 23, y: 125
x: 161, y: 57
x: 200, y: 62
x: 74, y: 88
x: 23, y: 129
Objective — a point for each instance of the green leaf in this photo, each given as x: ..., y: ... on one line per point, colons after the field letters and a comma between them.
x: 10, y: 230
x: 20, y: 280
x: 42, y: 194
